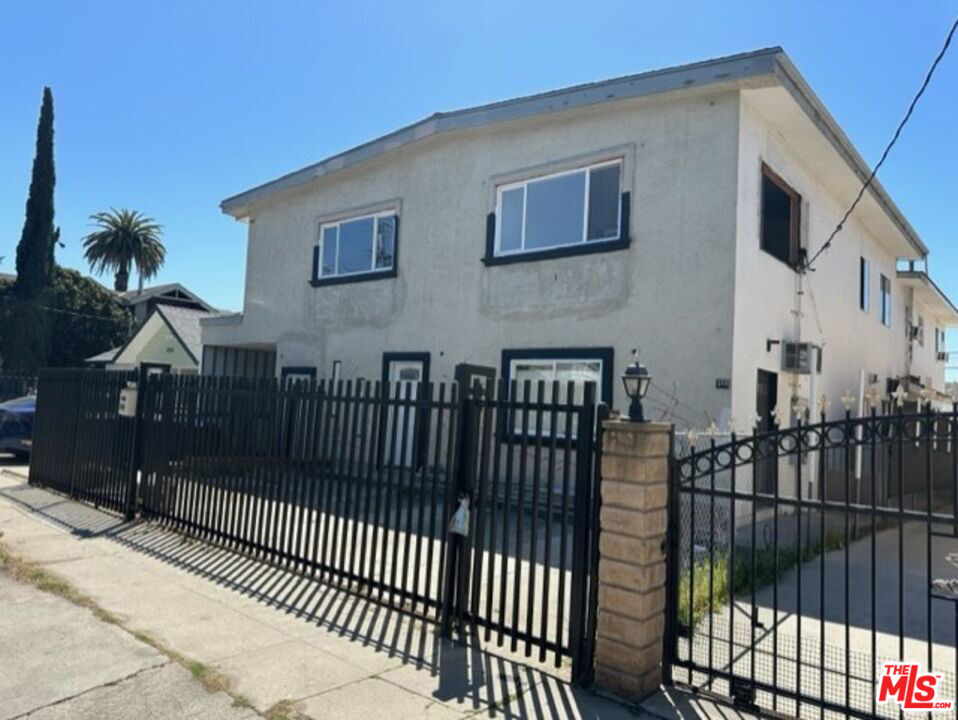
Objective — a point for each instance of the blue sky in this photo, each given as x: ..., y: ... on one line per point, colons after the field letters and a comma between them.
x: 168, y: 107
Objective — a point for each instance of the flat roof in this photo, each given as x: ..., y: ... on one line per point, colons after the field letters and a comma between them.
x: 931, y: 294
x: 771, y: 64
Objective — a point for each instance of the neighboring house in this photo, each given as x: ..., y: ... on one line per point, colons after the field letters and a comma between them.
x: 142, y: 302
x: 548, y: 236
x: 169, y: 341
x: 6, y: 278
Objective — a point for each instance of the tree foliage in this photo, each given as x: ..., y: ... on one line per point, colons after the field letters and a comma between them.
x: 27, y: 340
x: 35, y: 250
x: 125, y: 238
x: 84, y: 316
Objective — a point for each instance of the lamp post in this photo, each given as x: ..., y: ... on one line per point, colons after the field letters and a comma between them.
x: 636, y: 380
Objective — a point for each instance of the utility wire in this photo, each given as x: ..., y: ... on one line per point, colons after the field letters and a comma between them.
x: 901, y: 125
x: 666, y: 411
x: 673, y: 398
x: 818, y: 319
x: 15, y: 301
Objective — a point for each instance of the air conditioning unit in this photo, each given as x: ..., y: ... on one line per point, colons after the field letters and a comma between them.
x: 797, y: 358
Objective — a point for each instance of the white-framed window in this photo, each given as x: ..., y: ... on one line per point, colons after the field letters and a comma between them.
x: 357, y: 246
x: 562, y: 209
x: 885, y: 301
x: 576, y: 365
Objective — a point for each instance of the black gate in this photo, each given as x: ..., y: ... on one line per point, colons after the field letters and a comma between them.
x: 355, y: 482
x: 81, y: 445
x: 790, y: 597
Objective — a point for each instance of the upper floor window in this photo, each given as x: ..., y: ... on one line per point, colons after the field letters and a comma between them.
x: 781, y: 213
x: 574, y: 210
x: 864, y: 299
x: 356, y: 248
x: 885, y: 301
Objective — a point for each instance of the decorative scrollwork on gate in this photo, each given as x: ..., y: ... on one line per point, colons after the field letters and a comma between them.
x: 851, y: 433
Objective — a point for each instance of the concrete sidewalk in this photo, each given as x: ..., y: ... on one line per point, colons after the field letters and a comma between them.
x: 285, y: 645
x: 58, y: 660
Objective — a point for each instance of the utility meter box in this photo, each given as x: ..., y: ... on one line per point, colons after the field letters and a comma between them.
x: 128, y: 400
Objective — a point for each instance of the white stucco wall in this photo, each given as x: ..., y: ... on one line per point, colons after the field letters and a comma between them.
x: 924, y: 361
x: 694, y: 292
x: 669, y: 295
x: 766, y: 294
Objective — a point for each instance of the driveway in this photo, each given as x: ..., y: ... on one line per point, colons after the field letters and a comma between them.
x: 833, y: 663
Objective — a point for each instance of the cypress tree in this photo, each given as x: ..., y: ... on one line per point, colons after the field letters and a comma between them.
x: 26, y: 344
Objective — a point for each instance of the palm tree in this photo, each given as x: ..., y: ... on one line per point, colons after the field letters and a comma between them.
x: 124, y: 238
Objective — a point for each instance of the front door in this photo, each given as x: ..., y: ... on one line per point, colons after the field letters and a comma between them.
x: 405, y: 373
x: 766, y: 398
x: 405, y: 376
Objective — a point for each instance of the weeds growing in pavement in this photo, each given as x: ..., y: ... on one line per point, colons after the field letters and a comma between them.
x: 743, y: 578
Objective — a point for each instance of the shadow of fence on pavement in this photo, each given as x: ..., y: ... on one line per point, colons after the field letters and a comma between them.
x: 463, y: 671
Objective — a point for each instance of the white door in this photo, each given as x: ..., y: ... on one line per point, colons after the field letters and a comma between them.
x: 404, y: 377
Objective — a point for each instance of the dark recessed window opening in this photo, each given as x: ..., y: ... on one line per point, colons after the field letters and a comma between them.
x: 864, y: 301
x: 885, y: 301
x: 781, y: 210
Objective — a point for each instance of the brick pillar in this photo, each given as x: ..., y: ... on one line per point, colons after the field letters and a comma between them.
x: 631, y: 615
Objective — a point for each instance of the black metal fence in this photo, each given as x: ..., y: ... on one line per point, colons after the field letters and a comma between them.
x: 81, y: 445
x: 14, y: 385
x: 356, y: 482
x: 804, y: 559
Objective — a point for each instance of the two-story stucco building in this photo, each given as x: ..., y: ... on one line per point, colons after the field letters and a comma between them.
x: 548, y: 236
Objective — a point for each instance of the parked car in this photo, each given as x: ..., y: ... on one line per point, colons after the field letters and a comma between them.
x: 16, y: 426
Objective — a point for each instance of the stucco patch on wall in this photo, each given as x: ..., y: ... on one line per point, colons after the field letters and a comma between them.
x: 580, y: 287
x: 341, y: 307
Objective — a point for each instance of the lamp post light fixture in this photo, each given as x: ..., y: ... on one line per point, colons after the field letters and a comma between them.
x: 636, y: 380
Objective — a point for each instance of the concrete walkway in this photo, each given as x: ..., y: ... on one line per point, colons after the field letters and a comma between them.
x: 288, y: 646
x: 279, y: 645
x: 58, y: 660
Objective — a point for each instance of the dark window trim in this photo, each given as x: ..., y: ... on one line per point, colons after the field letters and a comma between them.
x: 585, y: 248
x: 389, y: 357
x: 317, y: 281
x: 884, y: 315
x: 864, y: 285
x: 422, y: 414
x: 288, y: 370
x: 603, y: 391
x: 795, y: 219
x: 605, y: 354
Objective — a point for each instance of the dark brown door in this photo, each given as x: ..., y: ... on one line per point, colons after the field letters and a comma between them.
x: 766, y: 398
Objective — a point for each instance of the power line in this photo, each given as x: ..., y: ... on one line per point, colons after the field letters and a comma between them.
x: 901, y: 125
x: 674, y: 398
x: 658, y: 406
x: 14, y: 301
